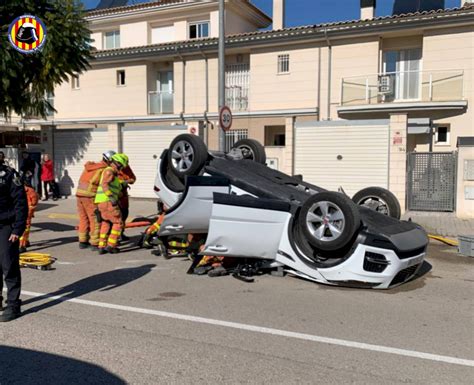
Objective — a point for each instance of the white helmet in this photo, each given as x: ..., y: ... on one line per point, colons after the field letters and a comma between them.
x: 107, y: 156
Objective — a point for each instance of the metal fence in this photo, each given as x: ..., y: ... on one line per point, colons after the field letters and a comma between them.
x: 233, y: 136
x: 432, y: 181
x: 237, y: 82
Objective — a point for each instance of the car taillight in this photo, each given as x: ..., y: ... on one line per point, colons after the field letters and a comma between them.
x: 156, y: 189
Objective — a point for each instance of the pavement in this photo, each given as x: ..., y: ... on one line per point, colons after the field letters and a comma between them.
x: 133, y: 318
x: 444, y: 224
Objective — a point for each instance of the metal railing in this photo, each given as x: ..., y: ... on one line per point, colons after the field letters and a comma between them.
x: 237, y: 81
x: 393, y: 87
x: 160, y: 102
x: 237, y: 98
x: 233, y: 136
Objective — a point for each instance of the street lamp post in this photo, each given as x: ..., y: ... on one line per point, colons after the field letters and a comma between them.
x: 221, y: 68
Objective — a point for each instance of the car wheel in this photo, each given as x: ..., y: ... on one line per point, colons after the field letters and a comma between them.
x: 187, y: 155
x: 329, y: 220
x: 380, y: 200
x: 252, y: 150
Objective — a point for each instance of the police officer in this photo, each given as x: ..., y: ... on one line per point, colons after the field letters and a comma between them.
x: 13, y: 215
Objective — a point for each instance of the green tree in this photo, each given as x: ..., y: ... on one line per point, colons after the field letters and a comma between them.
x: 26, y: 78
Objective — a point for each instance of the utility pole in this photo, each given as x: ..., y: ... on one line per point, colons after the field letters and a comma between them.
x: 221, y: 68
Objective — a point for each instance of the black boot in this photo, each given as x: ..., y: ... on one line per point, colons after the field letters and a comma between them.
x: 10, y: 313
x: 112, y: 250
x: 22, y: 250
x: 83, y: 245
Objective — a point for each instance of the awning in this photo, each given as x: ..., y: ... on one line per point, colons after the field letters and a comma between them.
x: 419, y: 126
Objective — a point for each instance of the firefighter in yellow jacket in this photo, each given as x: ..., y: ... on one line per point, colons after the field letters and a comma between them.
x: 107, y: 200
x: 88, y: 185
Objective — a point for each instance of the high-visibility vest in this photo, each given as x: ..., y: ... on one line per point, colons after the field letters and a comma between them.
x: 115, y: 187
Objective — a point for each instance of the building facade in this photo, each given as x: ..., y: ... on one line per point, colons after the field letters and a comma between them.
x: 376, y: 101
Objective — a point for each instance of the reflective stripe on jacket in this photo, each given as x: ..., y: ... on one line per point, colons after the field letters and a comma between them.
x: 113, y: 190
x: 90, y: 178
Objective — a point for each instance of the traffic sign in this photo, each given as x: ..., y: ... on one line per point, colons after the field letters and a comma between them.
x: 225, y: 118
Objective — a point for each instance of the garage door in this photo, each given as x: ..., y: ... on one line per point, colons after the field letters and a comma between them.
x: 144, y: 145
x: 72, y: 148
x: 352, y: 154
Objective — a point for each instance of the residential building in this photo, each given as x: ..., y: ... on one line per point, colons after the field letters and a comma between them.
x: 349, y: 104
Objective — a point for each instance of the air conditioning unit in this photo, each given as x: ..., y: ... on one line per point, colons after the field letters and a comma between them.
x: 386, y: 84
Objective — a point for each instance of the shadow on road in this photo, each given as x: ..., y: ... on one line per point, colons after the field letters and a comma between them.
x: 100, y: 282
x: 24, y: 366
x: 44, y: 206
x: 50, y: 243
x: 52, y: 226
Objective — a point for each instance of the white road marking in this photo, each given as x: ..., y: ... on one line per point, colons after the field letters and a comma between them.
x: 264, y: 330
x: 63, y: 216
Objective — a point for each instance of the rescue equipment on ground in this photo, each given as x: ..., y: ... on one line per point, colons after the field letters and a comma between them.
x: 447, y: 241
x: 38, y: 261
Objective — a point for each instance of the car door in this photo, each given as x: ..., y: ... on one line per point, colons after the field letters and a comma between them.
x: 245, y: 226
x: 191, y: 214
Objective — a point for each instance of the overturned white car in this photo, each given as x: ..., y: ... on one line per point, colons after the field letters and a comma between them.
x: 251, y: 211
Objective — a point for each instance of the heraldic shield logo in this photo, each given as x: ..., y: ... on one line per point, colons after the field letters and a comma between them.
x: 27, y: 34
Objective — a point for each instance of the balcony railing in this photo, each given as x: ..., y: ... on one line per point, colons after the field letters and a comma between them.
x: 160, y: 102
x: 237, y: 98
x: 408, y: 86
x: 237, y: 81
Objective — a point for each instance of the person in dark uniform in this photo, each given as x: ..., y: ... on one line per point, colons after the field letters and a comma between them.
x: 13, y: 215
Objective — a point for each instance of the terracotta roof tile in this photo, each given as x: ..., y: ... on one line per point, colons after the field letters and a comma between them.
x: 300, y: 30
x: 133, y: 7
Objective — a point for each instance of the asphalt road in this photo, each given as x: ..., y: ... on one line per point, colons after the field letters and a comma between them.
x: 139, y: 319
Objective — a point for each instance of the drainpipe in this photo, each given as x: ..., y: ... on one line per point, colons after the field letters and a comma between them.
x: 431, y: 134
x: 319, y: 84
x: 329, y: 73
x: 183, y: 107
x: 206, y: 133
x: 293, y: 149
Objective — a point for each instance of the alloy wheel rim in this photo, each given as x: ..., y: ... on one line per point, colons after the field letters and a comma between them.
x: 182, y: 156
x: 325, y: 221
x: 375, y: 203
x: 247, y: 152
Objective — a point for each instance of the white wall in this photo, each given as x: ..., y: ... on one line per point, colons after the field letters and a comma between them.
x: 134, y: 34
x: 97, y: 40
x: 163, y: 34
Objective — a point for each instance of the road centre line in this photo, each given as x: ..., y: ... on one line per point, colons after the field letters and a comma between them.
x: 263, y: 330
x: 63, y: 216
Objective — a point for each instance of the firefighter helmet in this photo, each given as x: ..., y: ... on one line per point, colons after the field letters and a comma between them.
x: 27, y: 33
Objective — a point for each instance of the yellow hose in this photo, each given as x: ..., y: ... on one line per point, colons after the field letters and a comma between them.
x: 36, y: 260
x: 447, y: 241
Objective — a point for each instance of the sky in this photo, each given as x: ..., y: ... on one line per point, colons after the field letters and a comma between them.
x: 306, y: 12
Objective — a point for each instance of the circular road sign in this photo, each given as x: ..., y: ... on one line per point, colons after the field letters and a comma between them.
x: 225, y: 118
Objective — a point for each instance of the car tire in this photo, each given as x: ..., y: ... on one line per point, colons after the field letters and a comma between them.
x: 380, y: 200
x: 329, y: 220
x: 172, y: 181
x: 252, y: 150
x: 194, y: 158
